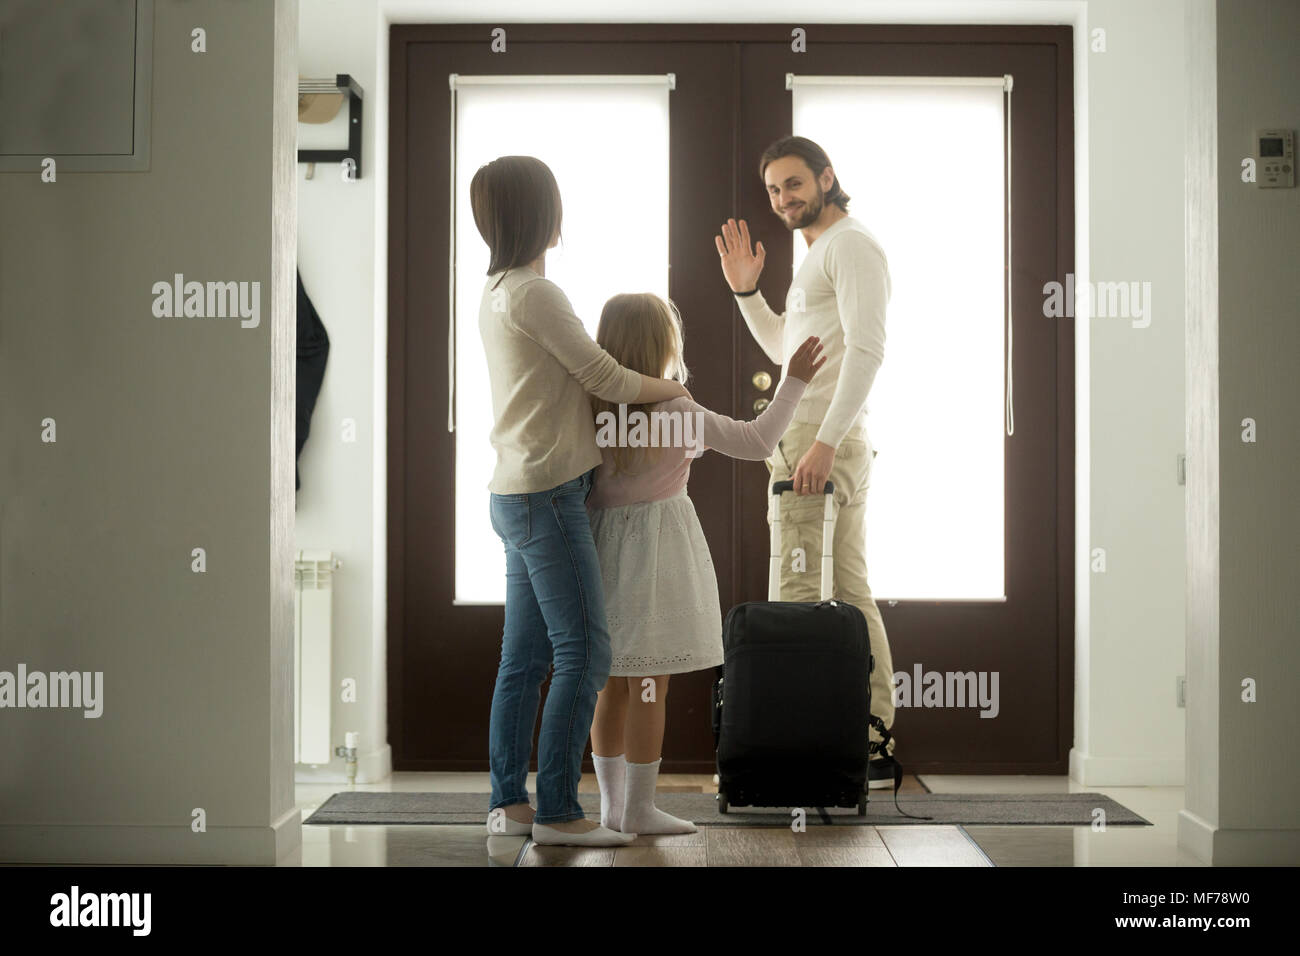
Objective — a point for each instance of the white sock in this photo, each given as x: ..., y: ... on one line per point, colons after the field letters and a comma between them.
x: 640, y: 815
x: 610, y: 777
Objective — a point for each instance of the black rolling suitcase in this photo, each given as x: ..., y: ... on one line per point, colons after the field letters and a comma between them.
x: 793, y: 703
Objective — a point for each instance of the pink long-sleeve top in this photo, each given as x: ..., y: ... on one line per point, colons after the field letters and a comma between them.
x: 663, y: 472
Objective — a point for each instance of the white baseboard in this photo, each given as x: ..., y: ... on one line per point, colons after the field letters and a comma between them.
x: 1196, y: 836
x: 1220, y: 846
x: 145, y: 845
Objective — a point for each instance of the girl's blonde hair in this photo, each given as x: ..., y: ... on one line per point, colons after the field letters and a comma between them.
x: 644, y: 333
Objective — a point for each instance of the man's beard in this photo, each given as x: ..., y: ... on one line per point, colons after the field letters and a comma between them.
x: 808, y: 214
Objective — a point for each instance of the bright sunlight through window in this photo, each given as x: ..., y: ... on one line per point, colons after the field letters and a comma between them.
x: 923, y: 164
x: 607, y: 144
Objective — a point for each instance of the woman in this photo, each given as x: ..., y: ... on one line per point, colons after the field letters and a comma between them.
x: 543, y: 366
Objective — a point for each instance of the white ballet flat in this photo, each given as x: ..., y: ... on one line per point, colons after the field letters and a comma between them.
x: 601, y: 836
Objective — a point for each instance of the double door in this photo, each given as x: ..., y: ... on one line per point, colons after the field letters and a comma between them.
x: 729, y: 100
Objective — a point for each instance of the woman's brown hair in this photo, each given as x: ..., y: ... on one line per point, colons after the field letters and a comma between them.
x: 644, y: 333
x: 810, y: 153
x: 517, y: 209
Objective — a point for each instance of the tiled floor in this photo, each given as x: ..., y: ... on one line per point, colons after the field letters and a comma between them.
x: 714, y: 846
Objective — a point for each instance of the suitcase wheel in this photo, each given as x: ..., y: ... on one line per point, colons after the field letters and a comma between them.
x: 722, y: 802
x: 862, y: 804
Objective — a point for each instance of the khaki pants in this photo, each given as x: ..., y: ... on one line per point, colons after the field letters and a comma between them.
x: 801, y: 527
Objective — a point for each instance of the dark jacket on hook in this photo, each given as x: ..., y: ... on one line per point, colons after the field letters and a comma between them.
x: 313, y: 350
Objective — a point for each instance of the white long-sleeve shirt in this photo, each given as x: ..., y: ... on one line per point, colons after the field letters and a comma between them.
x: 839, y: 294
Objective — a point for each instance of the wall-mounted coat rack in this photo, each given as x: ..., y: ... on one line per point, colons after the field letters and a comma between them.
x: 345, y: 84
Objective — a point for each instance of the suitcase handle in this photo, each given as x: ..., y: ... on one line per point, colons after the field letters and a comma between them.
x: 828, y: 536
x: 781, y: 487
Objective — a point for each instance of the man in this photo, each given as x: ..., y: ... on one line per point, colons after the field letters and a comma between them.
x: 839, y: 294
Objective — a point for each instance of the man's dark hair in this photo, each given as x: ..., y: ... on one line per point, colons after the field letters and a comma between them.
x: 810, y: 153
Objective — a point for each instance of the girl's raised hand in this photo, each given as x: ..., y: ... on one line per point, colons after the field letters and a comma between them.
x: 805, y: 362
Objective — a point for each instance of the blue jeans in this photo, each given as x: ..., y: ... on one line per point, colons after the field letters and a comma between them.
x: 555, y: 606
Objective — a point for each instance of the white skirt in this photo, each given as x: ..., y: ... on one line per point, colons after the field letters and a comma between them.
x: 661, y: 592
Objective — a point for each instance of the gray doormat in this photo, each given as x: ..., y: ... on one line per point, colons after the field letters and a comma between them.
x: 1029, y: 809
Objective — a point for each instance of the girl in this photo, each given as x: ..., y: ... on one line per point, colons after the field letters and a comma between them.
x: 661, y: 593
x: 542, y: 365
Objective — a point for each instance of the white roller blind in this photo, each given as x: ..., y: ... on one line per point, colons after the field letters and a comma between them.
x: 923, y: 160
x: 606, y: 140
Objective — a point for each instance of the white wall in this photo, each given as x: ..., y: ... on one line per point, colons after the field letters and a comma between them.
x: 1129, y: 620
x: 1200, y: 815
x: 1134, y: 636
x: 172, y: 434
x: 1248, y: 779
x: 342, y: 256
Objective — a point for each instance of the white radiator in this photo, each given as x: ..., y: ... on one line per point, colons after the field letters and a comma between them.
x: 312, y: 689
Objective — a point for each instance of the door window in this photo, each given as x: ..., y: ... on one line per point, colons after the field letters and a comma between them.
x: 605, y: 138
x: 923, y: 163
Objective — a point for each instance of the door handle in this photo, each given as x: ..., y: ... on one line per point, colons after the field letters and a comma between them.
x: 760, y: 405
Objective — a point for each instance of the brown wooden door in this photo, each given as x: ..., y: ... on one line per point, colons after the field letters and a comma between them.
x: 729, y: 103
x: 1029, y: 639
x: 443, y: 657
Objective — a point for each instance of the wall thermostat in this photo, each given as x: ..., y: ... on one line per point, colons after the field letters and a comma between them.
x: 1276, y: 158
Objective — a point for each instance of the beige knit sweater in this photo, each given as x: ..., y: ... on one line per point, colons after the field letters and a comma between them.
x: 543, y: 365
